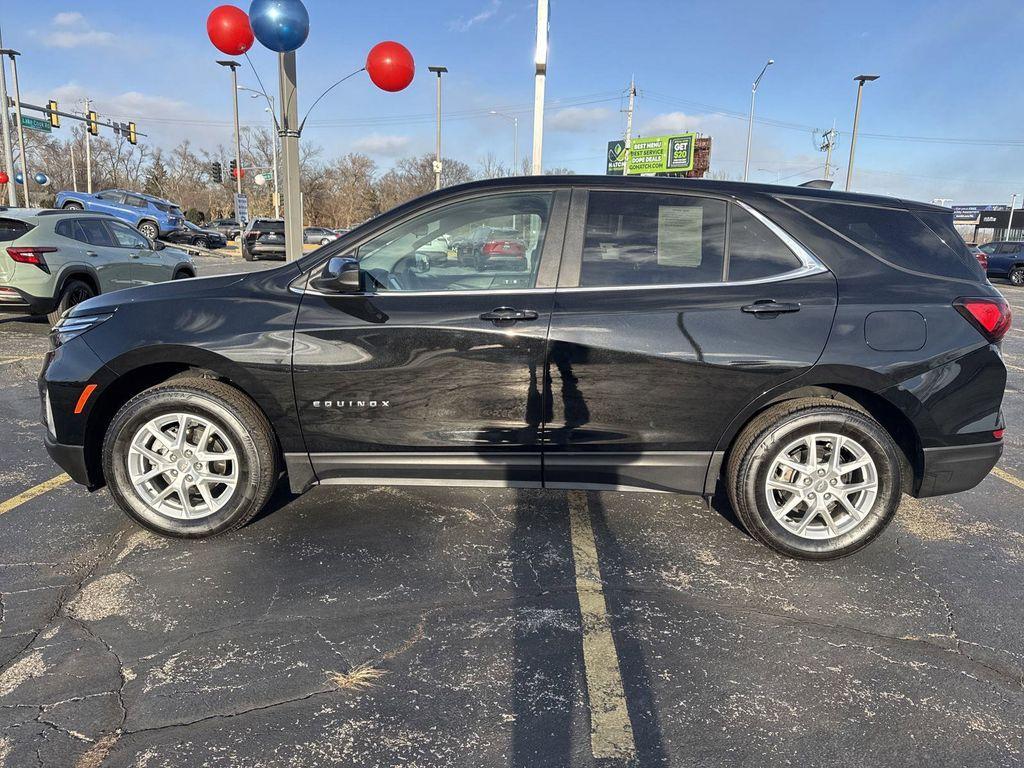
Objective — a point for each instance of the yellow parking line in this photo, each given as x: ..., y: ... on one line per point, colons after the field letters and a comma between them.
x: 1011, y: 479
x: 31, y: 493
x: 611, y: 733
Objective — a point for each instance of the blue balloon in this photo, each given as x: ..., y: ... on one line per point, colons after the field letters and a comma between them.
x: 41, y: 179
x: 281, y: 25
x: 18, y: 178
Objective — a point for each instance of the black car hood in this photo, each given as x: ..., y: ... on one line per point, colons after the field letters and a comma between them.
x: 170, y: 290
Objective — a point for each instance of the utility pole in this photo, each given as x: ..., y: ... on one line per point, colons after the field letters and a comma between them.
x: 629, y: 125
x: 289, y: 133
x: 828, y: 143
x: 74, y: 171
x: 86, y: 106
x: 861, y: 79
x: 437, y: 153
x: 1009, y: 223
x: 540, y: 61
x: 233, y: 66
x: 11, y: 54
x: 750, y: 121
x: 12, y: 195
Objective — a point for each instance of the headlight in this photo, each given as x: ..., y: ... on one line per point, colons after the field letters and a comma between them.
x: 68, y: 328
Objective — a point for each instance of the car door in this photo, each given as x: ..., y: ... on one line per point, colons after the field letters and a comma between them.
x: 1007, y: 254
x: 673, y: 312
x: 110, y: 202
x: 432, y: 375
x: 146, y: 265
x: 112, y: 267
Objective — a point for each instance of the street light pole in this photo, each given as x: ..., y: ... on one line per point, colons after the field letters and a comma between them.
x: 515, y: 132
x: 273, y: 139
x: 861, y: 79
x: 1009, y: 223
x: 233, y: 66
x: 288, y: 98
x: 750, y: 121
x: 86, y: 103
x: 12, y: 195
x: 437, y: 154
x: 11, y: 54
x: 540, y: 61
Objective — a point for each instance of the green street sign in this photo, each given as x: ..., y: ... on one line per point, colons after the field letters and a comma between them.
x: 35, y: 124
x: 661, y: 154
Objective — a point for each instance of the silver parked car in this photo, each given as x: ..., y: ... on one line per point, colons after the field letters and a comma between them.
x: 318, y: 235
x: 51, y: 260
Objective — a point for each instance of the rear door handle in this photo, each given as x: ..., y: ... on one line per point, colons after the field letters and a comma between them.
x: 91, y: 254
x: 509, y: 315
x: 770, y: 307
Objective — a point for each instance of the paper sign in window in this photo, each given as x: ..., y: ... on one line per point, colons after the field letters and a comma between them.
x: 680, y: 234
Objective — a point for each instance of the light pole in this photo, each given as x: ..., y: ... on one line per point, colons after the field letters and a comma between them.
x: 540, y: 61
x: 12, y: 195
x: 1009, y: 222
x: 515, y: 131
x: 750, y: 121
x: 11, y: 53
x: 233, y: 66
x: 861, y: 79
x: 272, y: 109
x: 437, y: 155
x: 86, y: 104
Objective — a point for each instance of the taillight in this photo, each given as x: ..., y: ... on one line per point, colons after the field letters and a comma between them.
x: 30, y: 255
x: 983, y: 260
x: 992, y: 317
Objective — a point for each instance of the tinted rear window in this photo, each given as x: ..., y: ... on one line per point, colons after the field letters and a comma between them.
x: 12, y: 229
x: 894, y: 235
x: 268, y: 226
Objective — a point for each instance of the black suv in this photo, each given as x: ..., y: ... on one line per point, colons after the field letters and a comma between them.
x: 816, y: 354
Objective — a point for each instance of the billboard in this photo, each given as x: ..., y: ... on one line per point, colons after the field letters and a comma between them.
x: 653, y: 154
x: 616, y: 158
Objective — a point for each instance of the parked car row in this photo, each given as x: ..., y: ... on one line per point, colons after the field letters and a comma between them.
x: 53, y: 259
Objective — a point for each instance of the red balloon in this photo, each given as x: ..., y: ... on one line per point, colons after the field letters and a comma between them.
x: 390, y: 66
x: 229, y: 30
x: 4, y: 178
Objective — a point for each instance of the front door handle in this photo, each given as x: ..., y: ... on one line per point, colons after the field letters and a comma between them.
x: 509, y: 315
x: 770, y: 307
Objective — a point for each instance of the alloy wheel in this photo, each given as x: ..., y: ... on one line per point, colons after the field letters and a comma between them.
x: 821, y: 486
x: 183, y: 466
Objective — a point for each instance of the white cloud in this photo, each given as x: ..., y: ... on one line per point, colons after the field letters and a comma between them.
x: 578, y: 119
x: 68, y: 18
x: 73, y: 31
x: 379, y: 144
x: 463, y: 24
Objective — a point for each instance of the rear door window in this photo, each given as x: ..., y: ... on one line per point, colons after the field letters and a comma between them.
x: 135, y: 202
x: 893, y: 235
x: 636, y: 238
x: 755, y: 252
x: 96, y: 232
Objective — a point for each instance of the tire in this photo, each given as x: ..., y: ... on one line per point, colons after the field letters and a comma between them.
x: 149, y: 229
x: 325, y: 241
x: 72, y: 206
x: 771, y: 436
x: 232, y: 423
x: 74, y: 292
x: 248, y: 255
x: 1016, y: 276
x: 201, y: 242
x: 181, y: 274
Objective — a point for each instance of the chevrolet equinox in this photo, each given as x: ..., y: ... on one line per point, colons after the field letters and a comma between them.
x: 814, y: 354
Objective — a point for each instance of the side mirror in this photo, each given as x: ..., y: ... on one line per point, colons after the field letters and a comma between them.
x: 340, y: 274
x: 158, y: 245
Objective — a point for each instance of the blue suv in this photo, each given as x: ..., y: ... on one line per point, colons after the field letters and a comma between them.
x: 150, y: 215
x: 1005, y: 259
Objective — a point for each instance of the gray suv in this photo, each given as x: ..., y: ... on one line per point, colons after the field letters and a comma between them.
x: 51, y: 260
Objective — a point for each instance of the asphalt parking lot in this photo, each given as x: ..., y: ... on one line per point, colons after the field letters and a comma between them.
x: 465, y: 627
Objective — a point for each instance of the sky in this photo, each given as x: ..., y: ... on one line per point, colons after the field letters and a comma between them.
x: 943, y: 121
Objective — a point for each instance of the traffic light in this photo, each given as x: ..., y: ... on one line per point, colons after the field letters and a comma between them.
x: 54, y: 117
x: 133, y: 136
x: 234, y: 168
x: 217, y: 173
x: 92, y: 122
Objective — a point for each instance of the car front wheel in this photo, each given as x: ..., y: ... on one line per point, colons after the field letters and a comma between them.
x: 190, y: 458
x: 814, y: 479
x: 1016, y: 276
x: 72, y: 206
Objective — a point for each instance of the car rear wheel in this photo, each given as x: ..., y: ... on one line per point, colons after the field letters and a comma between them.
x: 325, y: 241
x: 1017, y: 276
x: 74, y: 292
x: 201, y: 242
x: 149, y: 229
x: 814, y: 479
x: 190, y: 458
x: 72, y: 206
